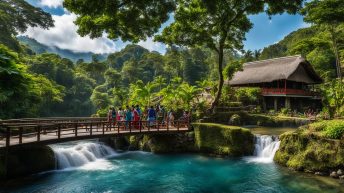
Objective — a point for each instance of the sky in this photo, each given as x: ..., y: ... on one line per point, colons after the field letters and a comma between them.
x: 265, y: 31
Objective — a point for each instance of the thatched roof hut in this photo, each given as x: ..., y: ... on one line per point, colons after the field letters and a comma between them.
x: 290, y: 68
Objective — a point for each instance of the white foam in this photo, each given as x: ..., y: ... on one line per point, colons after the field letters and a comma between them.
x: 265, y: 149
x: 85, y: 156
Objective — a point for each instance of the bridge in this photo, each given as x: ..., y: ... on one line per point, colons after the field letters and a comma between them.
x: 18, y: 132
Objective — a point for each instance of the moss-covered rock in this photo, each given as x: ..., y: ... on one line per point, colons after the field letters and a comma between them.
x: 169, y: 143
x: 223, y: 140
x: 28, y: 160
x: 305, y: 152
x: 255, y: 119
x: 156, y: 143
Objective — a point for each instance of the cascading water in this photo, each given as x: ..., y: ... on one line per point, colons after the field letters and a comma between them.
x: 82, y: 155
x: 265, y: 148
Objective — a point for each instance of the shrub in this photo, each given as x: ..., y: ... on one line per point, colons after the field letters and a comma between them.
x: 335, y: 130
x: 330, y: 128
x: 285, y: 111
x: 235, y: 120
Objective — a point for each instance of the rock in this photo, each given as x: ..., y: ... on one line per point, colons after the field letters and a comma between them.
x: 341, y: 177
x: 334, y: 174
x: 320, y: 173
x: 27, y: 160
x: 340, y: 172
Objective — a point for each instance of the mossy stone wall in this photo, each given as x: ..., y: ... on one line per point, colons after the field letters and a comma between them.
x: 223, y: 140
x: 209, y: 138
x: 305, y: 152
x: 256, y: 119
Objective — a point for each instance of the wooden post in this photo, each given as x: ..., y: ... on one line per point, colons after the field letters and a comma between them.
x: 285, y: 86
x: 157, y: 121
x: 167, y: 123
x: 177, y: 125
x: 91, y: 129
x: 140, y: 126
x: 103, y: 127
x: 118, y: 127
x: 39, y: 133
x: 76, y: 129
x: 59, y: 131
x: 129, y: 126
x: 8, y: 137
x: 20, y: 135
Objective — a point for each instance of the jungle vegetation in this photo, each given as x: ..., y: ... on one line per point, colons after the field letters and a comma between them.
x: 190, y: 75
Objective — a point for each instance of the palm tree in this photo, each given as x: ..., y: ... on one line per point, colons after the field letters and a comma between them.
x: 187, y: 94
x: 160, y: 81
x: 257, y: 54
x: 141, y: 93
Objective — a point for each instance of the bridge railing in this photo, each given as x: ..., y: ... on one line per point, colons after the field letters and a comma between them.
x: 57, y: 129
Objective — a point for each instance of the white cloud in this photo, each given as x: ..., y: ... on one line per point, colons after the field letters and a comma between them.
x: 63, y: 35
x: 153, y: 46
x: 51, y: 3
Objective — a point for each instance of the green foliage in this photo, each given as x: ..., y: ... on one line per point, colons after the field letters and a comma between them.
x: 285, y: 111
x: 247, y: 95
x: 23, y: 94
x: 235, y: 120
x: 128, y: 20
x: 333, y: 129
x: 333, y: 93
x: 16, y: 16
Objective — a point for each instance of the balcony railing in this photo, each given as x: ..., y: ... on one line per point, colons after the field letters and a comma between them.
x: 288, y: 91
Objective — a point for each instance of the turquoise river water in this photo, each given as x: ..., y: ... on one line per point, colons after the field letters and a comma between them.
x: 92, y: 167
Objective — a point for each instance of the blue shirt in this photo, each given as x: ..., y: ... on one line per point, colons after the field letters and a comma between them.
x: 151, y: 113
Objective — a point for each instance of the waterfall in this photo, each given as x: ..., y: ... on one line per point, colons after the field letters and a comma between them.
x: 265, y: 148
x: 85, y: 155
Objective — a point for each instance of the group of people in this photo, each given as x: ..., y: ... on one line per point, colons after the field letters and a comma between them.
x: 133, y: 115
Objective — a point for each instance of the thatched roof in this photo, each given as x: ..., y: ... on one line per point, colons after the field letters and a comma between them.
x: 294, y: 68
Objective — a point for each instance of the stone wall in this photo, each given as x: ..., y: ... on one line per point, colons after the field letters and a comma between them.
x: 208, y: 138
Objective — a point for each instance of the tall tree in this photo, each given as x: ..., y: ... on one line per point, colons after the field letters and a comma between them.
x: 16, y: 16
x: 328, y: 14
x: 219, y: 25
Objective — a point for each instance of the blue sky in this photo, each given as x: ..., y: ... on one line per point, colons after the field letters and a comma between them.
x: 264, y: 32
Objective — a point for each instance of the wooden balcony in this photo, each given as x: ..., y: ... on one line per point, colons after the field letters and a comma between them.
x: 288, y: 91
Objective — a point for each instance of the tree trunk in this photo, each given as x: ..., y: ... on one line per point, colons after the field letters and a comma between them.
x: 220, y: 85
x: 335, y: 49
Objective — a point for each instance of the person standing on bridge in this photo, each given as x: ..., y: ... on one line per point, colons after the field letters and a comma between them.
x: 151, y: 116
x: 113, y: 116
x: 136, y: 118
x: 128, y: 117
x: 109, y: 119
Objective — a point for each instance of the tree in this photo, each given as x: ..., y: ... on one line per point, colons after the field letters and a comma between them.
x: 125, y: 19
x: 141, y: 93
x: 16, y: 16
x: 329, y: 14
x: 23, y: 94
x: 219, y: 25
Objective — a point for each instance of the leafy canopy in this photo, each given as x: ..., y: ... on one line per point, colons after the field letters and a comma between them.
x: 17, y: 16
x: 126, y: 19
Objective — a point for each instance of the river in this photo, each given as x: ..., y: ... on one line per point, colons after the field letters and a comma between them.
x: 93, y: 167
